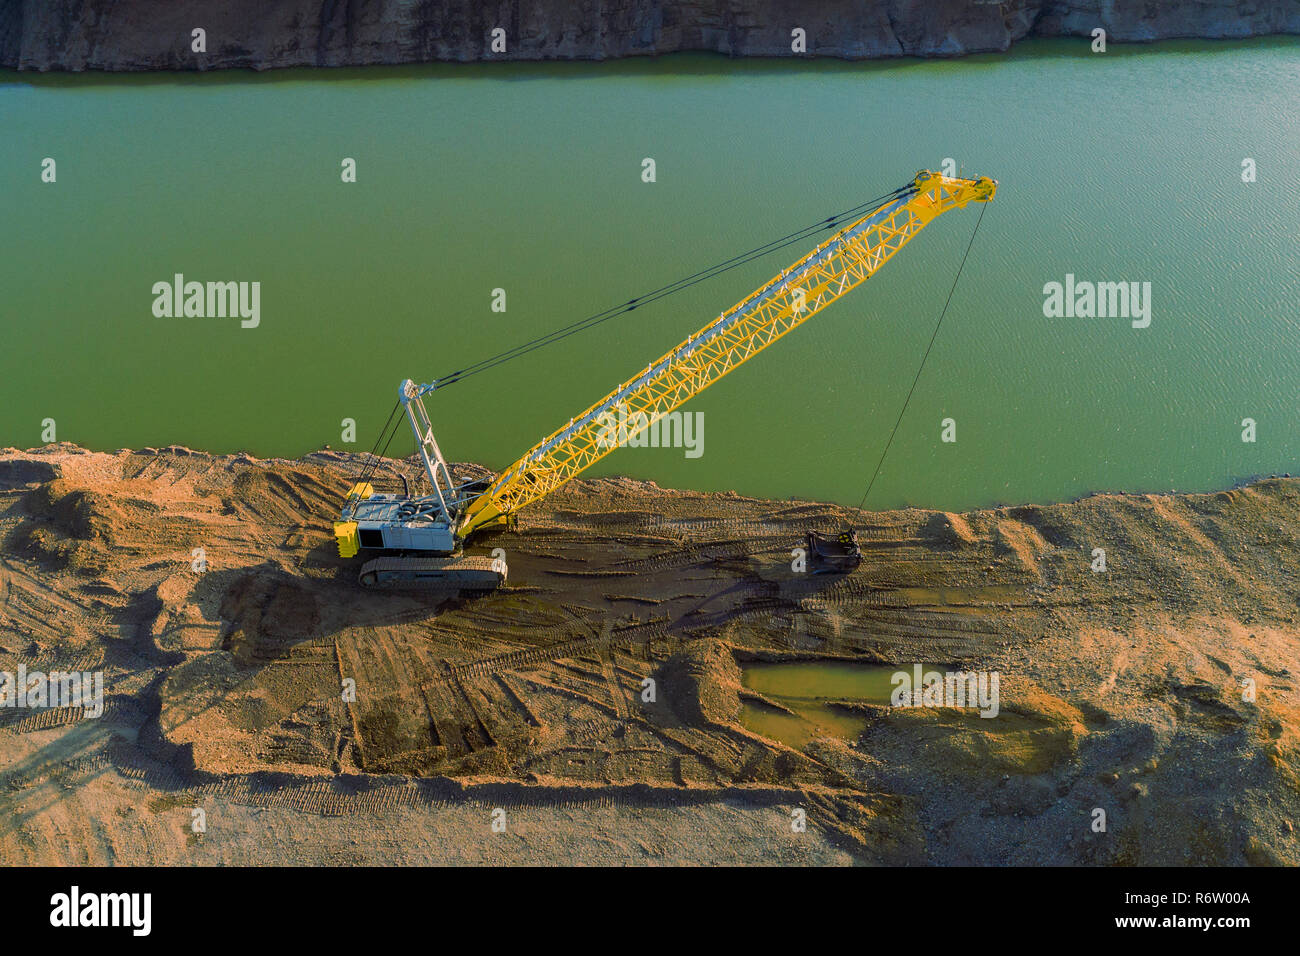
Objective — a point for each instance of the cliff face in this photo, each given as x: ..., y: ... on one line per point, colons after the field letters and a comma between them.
x: 263, y: 34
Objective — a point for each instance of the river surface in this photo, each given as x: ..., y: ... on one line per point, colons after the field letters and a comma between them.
x: 528, y: 177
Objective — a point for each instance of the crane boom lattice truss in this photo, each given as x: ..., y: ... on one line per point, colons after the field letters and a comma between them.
x: 839, y: 264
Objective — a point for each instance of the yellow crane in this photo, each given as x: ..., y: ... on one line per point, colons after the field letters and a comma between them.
x: 438, y: 524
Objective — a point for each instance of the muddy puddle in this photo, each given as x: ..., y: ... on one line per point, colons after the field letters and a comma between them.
x: 817, y: 697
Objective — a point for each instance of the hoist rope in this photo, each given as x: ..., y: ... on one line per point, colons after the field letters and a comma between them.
x: 921, y: 368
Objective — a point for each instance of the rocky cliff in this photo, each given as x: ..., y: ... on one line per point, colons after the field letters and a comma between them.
x: 264, y: 34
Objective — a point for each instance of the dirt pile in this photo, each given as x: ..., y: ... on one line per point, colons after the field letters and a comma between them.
x: 244, y: 667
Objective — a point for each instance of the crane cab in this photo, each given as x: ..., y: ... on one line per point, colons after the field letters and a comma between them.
x: 384, y: 522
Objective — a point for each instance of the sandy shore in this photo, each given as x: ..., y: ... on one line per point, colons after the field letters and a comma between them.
x: 1124, y: 691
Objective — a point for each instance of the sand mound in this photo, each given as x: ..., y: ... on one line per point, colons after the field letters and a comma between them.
x: 242, y: 659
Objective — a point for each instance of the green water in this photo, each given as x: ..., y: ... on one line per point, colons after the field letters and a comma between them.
x: 806, y: 690
x: 527, y: 177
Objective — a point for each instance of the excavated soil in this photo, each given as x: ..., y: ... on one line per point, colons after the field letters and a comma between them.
x: 596, y: 700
